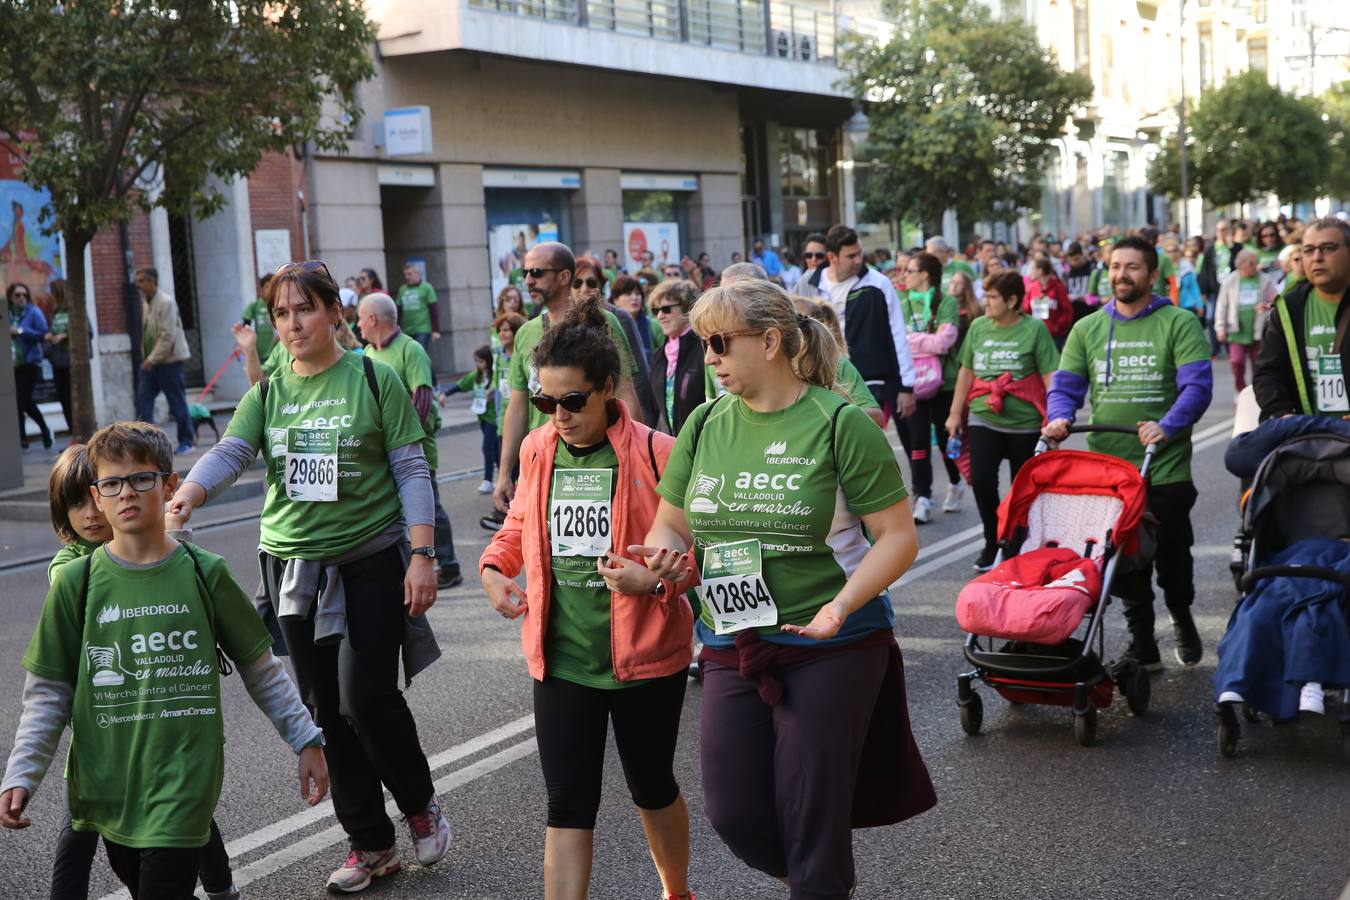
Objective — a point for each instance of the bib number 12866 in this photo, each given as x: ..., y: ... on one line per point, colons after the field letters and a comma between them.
x: 579, y: 512
x: 734, y: 588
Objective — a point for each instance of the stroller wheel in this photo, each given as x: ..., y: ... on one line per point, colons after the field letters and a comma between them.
x: 1138, y: 691
x: 1227, y: 731
x: 1085, y: 726
x: 972, y: 714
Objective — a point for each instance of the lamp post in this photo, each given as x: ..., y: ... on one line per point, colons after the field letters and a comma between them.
x: 855, y: 130
x: 1181, y: 126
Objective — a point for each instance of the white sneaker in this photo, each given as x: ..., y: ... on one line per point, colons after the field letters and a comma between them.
x: 485, y: 487
x: 1230, y: 697
x: 430, y: 834
x: 923, y: 510
x: 1311, y: 699
x: 955, y: 494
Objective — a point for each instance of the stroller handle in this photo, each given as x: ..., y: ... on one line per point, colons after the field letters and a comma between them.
x: 1320, y: 572
x: 1150, y: 450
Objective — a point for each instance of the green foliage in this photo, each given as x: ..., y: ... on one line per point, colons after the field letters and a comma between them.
x: 962, y: 111
x: 1336, y: 105
x: 1249, y: 138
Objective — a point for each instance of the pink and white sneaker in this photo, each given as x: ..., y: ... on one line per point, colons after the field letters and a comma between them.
x: 430, y: 834
x: 361, y: 868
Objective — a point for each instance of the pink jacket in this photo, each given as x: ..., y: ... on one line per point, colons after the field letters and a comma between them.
x: 649, y: 637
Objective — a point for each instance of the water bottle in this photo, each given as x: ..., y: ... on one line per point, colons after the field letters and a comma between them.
x: 954, y: 447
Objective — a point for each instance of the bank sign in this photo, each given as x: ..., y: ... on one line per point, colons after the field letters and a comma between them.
x: 407, y: 130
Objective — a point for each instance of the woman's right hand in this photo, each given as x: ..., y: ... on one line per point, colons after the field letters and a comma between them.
x: 177, y: 512
x: 245, y: 337
x: 668, y: 564
x: 502, y: 591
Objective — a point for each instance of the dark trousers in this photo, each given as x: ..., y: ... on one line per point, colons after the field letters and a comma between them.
x: 61, y: 379
x: 491, y: 449
x: 168, y: 379
x: 1211, y: 307
x: 988, y: 449
x: 1171, y: 506
x: 916, y: 436
x: 351, y: 687
x: 75, y: 857
x: 571, y: 724
x: 155, y: 873
x: 778, y: 780
x: 444, y: 536
x: 26, y: 378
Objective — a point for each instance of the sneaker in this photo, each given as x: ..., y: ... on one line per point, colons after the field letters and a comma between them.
x: 493, y: 521
x: 923, y: 510
x: 430, y: 834
x: 985, y: 561
x: 230, y: 893
x: 448, y: 578
x: 362, y: 867
x: 184, y: 448
x: 1231, y: 697
x: 1145, y: 652
x: 485, y: 487
x: 955, y: 494
x: 1312, y: 699
x: 1189, y: 650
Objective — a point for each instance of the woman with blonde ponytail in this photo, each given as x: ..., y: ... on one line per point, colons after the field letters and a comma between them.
x: 793, y: 506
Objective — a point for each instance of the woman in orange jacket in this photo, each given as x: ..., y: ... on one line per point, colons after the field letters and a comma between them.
x: 605, y: 639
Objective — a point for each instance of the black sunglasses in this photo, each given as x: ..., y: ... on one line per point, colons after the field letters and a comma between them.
x: 591, y: 283
x: 813, y: 256
x: 574, y: 402
x: 537, y: 272
x: 720, y: 342
x: 667, y: 309
x: 140, y: 483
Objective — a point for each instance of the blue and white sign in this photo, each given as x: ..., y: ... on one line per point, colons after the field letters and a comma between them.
x: 407, y: 131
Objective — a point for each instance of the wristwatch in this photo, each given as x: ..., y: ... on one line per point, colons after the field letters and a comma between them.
x: 428, y: 552
x: 659, y: 590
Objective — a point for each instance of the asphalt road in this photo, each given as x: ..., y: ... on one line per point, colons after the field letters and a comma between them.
x: 1023, y: 812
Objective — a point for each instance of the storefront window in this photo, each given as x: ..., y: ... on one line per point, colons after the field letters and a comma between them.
x: 516, y: 221
x: 803, y: 162
x: 655, y: 223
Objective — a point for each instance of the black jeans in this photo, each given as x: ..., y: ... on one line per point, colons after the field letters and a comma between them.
x: 351, y: 687
x: 61, y: 378
x: 491, y: 449
x: 26, y: 378
x: 1171, y: 505
x: 988, y: 449
x: 155, y: 873
x: 571, y: 725
x: 75, y: 857
x: 917, y: 439
x: 443, y: 536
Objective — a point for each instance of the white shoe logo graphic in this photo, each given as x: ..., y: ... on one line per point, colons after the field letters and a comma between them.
x: 103, y: 665
x: 704, y: 487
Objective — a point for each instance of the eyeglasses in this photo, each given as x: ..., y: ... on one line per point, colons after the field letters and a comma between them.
x: 813, y: 256
x: 537, y: 273
x: 720, y: 342
x: 311, y: 265
x: 574, y: 402
x: 667, y: 309
x: 140, y: 482
x: 913, y: 271
x: 1312, y: 250
x: 591, y: 283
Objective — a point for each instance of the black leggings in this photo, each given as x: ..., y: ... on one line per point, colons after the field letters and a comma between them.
x: 988, y: 450
x: 26, y: 378
x: 571, y: 724
x: 75, y: 858
x: 916, y: 437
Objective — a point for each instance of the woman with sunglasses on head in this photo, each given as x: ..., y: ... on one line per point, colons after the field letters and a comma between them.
x: 604, y: 637
x: 795, y: 510
x: 347, y: 483
x: 677, y: 373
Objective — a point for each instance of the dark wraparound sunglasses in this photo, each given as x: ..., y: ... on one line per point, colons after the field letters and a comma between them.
x: 574, y: 402
x: 813, y: 256
x: 537, y: 273
x: 667, y: 309
x: 590, y: 283
x: 720, y: 342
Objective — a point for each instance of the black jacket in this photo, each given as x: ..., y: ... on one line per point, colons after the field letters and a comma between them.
x: 1208, y: 280
x: 874, y: 330
x: 689, y: 391
x: 1275, y: 386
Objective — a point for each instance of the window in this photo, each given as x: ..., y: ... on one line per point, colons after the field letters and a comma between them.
x: 1259, y: 10
x: 1082, y: 38
x: 1206, y: 42
x: 1115, y: 187
x: 1256, y: 54
x: 803, y: 162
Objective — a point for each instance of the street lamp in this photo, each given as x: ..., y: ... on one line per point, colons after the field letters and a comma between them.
x: 857, y: 127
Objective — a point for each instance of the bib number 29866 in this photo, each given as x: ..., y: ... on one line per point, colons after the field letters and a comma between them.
x: 579, y: 511
x: 311, y: 465
x: 734, y: 588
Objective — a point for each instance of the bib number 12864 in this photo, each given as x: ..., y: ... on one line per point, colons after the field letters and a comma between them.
x: 734, y: 588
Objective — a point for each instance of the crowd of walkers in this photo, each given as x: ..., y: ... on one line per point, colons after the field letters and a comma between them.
x: 680, y: 459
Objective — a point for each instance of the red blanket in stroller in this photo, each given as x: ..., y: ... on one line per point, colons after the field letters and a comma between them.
x: 1039, y: 596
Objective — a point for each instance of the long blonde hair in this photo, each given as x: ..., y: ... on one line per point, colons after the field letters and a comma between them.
x: 757, y: 305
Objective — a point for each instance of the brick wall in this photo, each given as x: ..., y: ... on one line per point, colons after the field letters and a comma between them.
x: 108, y: 274
x: 272, y: 197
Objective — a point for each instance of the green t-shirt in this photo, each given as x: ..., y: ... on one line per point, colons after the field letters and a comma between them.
x: 1166, y: 269
x: 277, y: 358
x: 1266, y: 259
x: 147, y: 752
x: 478, y: 387
x: 414, y: 304
x: 577, y: 644
x: 1249, y: 294
x: 851, y: 380
x: 256, y: 314
x: 501, y: 378
x: 60, y: 322
x: 952, y: 267
x: 778, y: 478
x: 1135, y: 379
x: 407, y: 358
x: 70, y: 552
x: 1021, y: 349
x: 524, y: 377
x: 1328, y: 384
x: 337, y: 404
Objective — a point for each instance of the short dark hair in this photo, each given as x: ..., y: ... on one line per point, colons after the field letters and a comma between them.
x: 560, y: 255
x: 1329, y: 223
x: 814, y: 237
x: 839, y: 237
x: 1075, y: 248
x: 582, y: 341
x: 263, y: 281
x: 1134, y: 242
x: 1009, y: 285
x: 136, y: 442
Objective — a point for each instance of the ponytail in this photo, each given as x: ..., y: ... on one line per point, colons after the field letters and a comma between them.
x: 817, y: 359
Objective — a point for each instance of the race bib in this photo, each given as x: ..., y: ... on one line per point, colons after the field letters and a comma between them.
x: 479, y: 404
x: 734, y: 589
x: 1331, y: 395
x: 1040, y: 308
x: 1248, y: 296
x: 311, y: 465
x: 579, y: 514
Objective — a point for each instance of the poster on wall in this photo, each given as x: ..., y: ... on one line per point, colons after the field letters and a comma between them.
x: 507, y: 246
x: 273, y: 249
x: 28, y: 254
x: 661, y: 239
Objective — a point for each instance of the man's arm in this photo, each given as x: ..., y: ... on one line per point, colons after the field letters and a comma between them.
x: 514, y: 426
x: 1274, y: 383
x: 1195, y: 390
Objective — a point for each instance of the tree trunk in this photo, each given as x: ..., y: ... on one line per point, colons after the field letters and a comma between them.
x: 83, y: 422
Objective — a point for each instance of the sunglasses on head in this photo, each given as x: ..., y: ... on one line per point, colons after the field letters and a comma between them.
x: 573, y: 402
x: 311, y: 265
x: 719, y: 343
x: 537, y: 272
x: 667, y: 309
x: 590, y: 283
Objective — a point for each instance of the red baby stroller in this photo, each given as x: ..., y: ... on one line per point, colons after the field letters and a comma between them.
x: 1067, y: 523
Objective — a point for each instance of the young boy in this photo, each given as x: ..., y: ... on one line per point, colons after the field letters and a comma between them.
x: 125, y: 651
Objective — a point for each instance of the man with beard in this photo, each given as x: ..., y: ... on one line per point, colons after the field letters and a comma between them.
x: 1145, y: 364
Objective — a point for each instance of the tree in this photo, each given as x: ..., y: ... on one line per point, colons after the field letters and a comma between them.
x: 962, y: 111
x: 1246, y: 139
x: 1336, y: 107
x: 95, y: 98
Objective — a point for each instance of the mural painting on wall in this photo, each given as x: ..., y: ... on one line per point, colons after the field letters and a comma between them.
x: 28, y: 253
